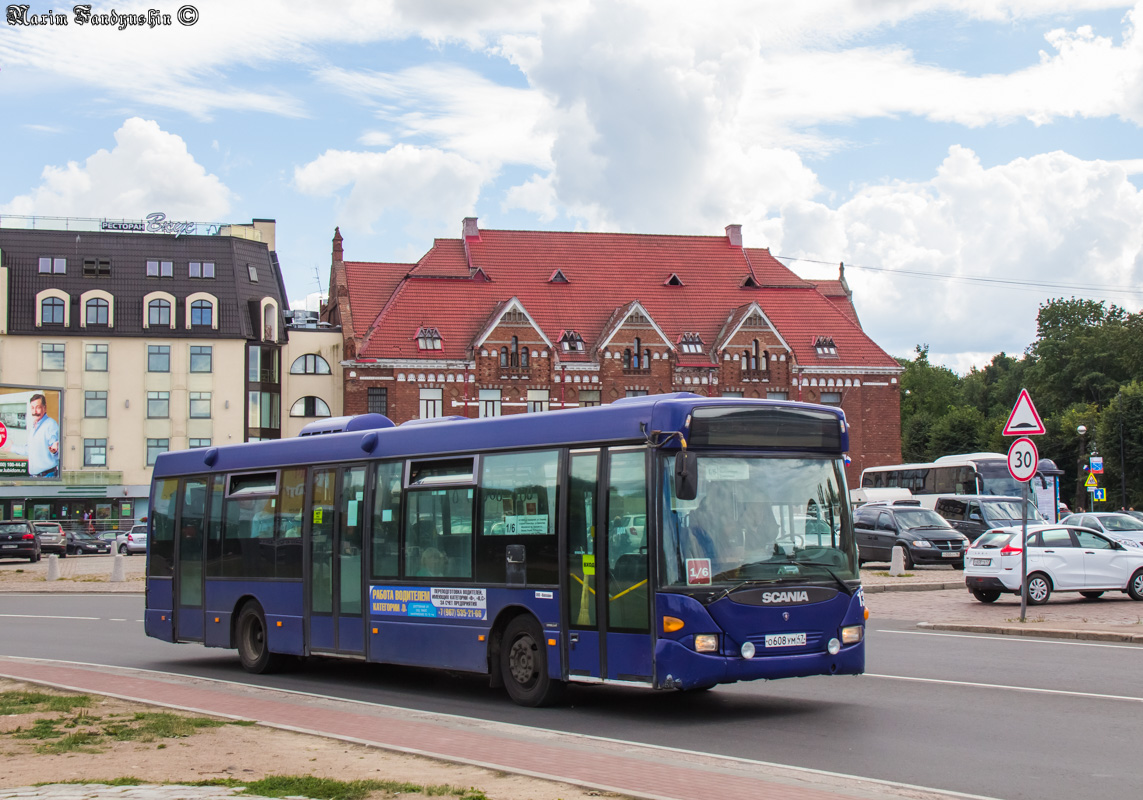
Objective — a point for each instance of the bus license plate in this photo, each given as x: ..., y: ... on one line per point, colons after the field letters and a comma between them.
x: 785, y: 640
x: 981, y: 562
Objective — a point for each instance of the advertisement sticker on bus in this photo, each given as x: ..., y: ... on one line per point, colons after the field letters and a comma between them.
x: 438, y: 602
x: 698, y: 571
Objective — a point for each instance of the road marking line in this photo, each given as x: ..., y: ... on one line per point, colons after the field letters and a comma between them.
x: 1028, y: 639
x: 45, y: 616
x: 1032, y: 689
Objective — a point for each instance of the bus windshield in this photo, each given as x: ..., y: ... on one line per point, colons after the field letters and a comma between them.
x: 758, y: 519
x: 995, y: 479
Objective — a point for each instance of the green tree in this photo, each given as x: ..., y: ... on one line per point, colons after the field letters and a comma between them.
x: 926, y: 387
x: 1119, y: 437
x: 961, y: 430
x: 1077, y: 356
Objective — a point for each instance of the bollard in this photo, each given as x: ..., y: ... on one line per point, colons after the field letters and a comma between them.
x: 53, y: 567
x: 117, y: 568
x: 897, y: 562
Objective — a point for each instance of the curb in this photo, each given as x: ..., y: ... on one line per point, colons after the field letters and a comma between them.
x: 1047, y: 633
x: 915, y: 586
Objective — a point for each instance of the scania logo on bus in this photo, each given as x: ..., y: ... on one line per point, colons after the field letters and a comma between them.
x: 785, y: 598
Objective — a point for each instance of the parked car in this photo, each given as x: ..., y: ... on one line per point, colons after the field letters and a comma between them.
x: 973, y: 514
x: 1115, y: 524
x: 925, y: 535
x: 132, y: 541
x: 1133, y: 513
x: 83, y: 542
x: 18, y: 539
x: 1061, y: 558
x: 636, y: 521
x: 52, y: 538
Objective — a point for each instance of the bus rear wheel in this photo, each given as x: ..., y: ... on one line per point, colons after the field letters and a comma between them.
x: 524, y: 664
x: 253, y: 648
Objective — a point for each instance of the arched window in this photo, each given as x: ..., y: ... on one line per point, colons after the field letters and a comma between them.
x: 504, y: 362
x: 159, y: 313
x: 96, y: 311
x: 309, y: 407
x: 635, y: 361
x: 754, y: 357
x: 202, y: 313
x: 627, y: 358
x: 309, y: 364
x: 765, y: 365
x: 515, y: 354
x: 52, y: 311
x: 524, y: 356
x: 745, y: 360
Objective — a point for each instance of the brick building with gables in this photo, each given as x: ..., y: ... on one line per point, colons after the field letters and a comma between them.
x: 502, y: 322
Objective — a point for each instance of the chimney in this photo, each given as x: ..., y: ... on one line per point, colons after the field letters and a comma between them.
x: 338, y: 255
x: 470, y: 231
x: 734, y: 235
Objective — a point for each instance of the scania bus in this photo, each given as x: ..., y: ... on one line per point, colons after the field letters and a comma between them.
x: 669, y: 542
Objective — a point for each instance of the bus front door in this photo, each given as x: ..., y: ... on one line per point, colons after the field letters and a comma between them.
x: 608, y: 582
x: 335, y: 564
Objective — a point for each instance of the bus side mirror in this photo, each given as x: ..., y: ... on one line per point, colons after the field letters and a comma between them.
x: 686, y: 475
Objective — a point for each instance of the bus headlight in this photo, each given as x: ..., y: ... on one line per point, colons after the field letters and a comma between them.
x: 834, y: 647
x: 747, y: 650
x: 706, y: 643
x: 852, y: 634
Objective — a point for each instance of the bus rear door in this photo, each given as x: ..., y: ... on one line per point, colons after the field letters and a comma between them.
x: 607, y: 587
x: 335, y: 563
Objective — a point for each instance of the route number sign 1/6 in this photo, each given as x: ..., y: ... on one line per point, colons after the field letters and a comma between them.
x: 1022, y: 459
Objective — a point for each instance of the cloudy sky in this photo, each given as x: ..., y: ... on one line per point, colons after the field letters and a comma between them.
x: 966, y: 159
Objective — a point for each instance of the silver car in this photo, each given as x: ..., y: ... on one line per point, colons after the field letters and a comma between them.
x: 132, y: 541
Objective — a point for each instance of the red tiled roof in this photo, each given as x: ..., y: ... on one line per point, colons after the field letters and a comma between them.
x: 370, y: 286
x: 606, y: 272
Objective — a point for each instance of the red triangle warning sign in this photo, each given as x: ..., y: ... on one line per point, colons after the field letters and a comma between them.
x: 1024, y: 420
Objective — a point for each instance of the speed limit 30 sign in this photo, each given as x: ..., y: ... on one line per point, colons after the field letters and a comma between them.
x: 1022, y: 459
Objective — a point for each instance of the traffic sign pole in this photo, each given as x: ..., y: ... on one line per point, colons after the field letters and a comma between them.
x: 1024, y: 550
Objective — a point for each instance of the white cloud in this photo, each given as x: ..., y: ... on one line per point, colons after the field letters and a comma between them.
x: 1048, y: 219
x: 147, y: 170
x: 429, y: 185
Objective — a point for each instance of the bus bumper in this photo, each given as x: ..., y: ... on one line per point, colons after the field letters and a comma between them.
x: 677, y: 666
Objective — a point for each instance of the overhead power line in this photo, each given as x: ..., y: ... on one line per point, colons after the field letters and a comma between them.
x: 1086, y: 288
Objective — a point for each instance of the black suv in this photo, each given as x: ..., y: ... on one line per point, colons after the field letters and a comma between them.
x: 18, y: 539
x: 924, y: 534
x: 973, y: 514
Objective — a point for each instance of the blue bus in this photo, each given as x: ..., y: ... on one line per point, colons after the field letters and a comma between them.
x: 668, y: 541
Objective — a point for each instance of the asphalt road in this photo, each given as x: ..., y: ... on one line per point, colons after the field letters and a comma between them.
x: 1007, y: 717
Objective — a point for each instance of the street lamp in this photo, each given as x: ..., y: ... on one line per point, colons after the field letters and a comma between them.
x: 1081, y: 430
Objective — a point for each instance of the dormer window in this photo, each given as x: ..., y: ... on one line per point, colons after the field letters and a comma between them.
x: 825, y: 347
x: 674, y: 280
x: 571, y: 342
x: 691, y: 343
x: 429, y: 339
x: 558, y: 277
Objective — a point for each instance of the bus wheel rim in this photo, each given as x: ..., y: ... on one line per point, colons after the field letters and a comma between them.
x: 522, y: 660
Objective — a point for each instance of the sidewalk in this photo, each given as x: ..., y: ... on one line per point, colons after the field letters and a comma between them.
x: 606, y: 765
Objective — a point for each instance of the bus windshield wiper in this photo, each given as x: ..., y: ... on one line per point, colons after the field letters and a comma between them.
x: 828, y: 568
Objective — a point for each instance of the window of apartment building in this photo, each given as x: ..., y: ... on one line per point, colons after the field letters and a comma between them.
x: 200, y: 405
x: 158, y: 358
x: 196, y: 443
x: 201, y: 358
x: 831, y: 398
x: 159, y: 313
x: 52, y: 311
x: 537, y: 400
x: 154, y: 447
x: 263, y: 364
x: 309, y: 407
x: 377, y: 400
x: 490, y: 402
x: 514, y: 356
x: 95, y: 404
x: 262, y: 410
x: 51, y: 357
x: 777, y: 395
x: 201, y: 269
x: 160, y: 269
x: 202, y: 313
x: 97, y: 311
x: 95, y: 452
x: 95, y: 358
x: 95, y: 267
x: 431, y: 403
x: 53, y: 265
x: 158, y: 405
x: 309, y: 364
x: 589, y: 397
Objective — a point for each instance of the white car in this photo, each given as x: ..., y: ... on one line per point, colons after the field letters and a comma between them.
x: 1061, y: 558
x: 1115, y: 524
x: 133, y: 541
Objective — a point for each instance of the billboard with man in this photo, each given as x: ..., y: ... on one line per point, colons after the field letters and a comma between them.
x: 30, y: 439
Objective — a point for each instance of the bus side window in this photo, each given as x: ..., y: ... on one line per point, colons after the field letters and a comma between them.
x: 387, y: 519
x: 162, y: 544
x: 518, y: 507
x: 290, y: 510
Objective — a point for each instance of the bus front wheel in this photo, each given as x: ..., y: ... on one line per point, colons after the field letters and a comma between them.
x: 253, y: 649
x: 524, y: 664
